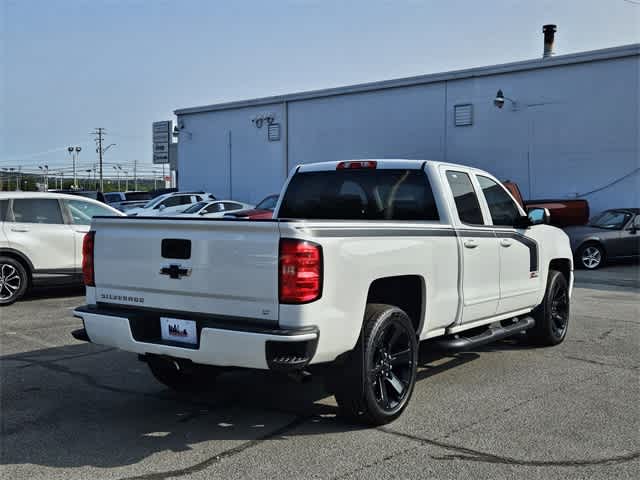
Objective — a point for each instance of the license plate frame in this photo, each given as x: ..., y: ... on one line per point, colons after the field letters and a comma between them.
x: 179, y: 330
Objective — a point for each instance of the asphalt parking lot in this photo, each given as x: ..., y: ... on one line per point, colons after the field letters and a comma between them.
x: 72, y: 410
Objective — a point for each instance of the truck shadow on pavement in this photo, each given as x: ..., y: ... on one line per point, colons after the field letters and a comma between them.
x: 86, y: 405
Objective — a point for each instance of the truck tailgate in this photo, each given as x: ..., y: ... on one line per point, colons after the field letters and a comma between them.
x: 223, y: 268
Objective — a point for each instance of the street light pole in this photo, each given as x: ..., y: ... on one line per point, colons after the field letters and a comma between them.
x: 74, y: 152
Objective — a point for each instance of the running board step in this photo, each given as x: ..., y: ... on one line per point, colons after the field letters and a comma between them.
x: 459, y: 342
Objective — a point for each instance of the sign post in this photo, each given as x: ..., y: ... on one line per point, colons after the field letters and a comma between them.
x: 161, y: 141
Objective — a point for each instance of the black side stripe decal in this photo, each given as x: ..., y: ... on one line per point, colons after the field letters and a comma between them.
x: 531, y: 244
x: 372, y: 232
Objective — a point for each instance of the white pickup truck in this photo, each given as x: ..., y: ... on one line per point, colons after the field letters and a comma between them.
x: 362, y: 260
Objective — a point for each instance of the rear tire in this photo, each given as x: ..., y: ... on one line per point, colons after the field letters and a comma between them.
x: 375, y: 383
x: 14, y: 280
x: 183, y: 377
x: 591, y: 256
x: 552, y: 315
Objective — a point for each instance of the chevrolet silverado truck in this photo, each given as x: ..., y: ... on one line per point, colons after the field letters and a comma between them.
x: 361, y: 261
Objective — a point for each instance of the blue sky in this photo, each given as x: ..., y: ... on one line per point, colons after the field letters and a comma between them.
x: 68, y: 66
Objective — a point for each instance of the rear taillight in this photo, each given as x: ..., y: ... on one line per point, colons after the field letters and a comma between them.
x: 88, y: 275
x: 300, y: 268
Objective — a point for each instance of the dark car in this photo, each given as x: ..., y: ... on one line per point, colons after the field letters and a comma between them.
x: 94, y: 195
x: 613, y: 234
x: 264, y: 209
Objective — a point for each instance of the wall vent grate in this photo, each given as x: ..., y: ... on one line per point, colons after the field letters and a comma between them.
x: 273, y: 132
x: 463, y: 115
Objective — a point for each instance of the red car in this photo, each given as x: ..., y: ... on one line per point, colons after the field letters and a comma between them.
x: 262, y: 210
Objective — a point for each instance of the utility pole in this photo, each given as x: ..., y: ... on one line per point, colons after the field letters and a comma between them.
x: 100, y: 133
x: 135, y: 176
x: 126, y: 181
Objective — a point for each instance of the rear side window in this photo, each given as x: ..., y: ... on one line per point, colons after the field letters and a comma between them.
x: 37, y: 210
x: 112, y: 197
x: 367, y: 194
x: 465, y: 197
x: 4, y: 204
x: 137, y: 196
x: 174, y: 201
x: 232, y: 206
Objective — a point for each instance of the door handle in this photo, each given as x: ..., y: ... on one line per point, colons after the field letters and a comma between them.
x: 470, y: 243
x: 22, y: 230
x: 505, y: 243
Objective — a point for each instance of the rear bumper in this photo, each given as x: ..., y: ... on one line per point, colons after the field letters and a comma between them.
x: 219, y: 343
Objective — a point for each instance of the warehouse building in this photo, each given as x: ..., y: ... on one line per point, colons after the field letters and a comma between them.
x: 568, y: 127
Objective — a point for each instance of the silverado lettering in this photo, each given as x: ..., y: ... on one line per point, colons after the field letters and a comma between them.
x: 121, y: 298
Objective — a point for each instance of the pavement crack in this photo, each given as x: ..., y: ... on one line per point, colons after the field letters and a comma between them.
x: 198, y: 467
x: 384, y: 459
x: 604, y: 335
x: 468, y: 454
x: 602, y: 364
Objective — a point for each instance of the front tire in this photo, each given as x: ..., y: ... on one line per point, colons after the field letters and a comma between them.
x: 14, y: 280
x: 183, y: 378
x: 552, y: 315
x: 378, y: 378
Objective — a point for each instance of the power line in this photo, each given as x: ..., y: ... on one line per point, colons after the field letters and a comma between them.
x: 633, y: 2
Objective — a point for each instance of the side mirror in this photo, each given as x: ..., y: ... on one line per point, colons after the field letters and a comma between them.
x: 202, y: 212
x: 162, y: 207
x: 539, y: 216
x: 635, y: 226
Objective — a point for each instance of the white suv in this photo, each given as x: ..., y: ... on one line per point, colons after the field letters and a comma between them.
x: 41, y: 239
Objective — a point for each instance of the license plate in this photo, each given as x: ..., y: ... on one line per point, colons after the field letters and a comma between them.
x: 178, y: 330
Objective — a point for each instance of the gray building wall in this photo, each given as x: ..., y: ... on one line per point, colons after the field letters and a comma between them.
x: 575, y: 128
x: 225, y: 154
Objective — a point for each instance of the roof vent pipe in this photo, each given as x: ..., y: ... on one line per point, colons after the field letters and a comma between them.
x: 549, y: 37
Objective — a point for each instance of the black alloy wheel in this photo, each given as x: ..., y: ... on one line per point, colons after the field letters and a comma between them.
x: 374, y: 383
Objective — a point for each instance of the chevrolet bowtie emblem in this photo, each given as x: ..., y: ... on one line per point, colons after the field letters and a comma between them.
x: 175, y: 271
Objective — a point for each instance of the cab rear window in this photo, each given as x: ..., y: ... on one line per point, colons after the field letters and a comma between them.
x: 354, y: 194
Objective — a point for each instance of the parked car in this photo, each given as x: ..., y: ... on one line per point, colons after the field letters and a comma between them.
x: 41, y: 239
x: 121, y: 199
x: 362, y: 260
x: 264, y: 209
x: 215, y: 209
x: 563, y: 212
x: 126, y: 206
x: 613, y: 234
x: 116, y: 197
x: 174, y: 202
x: 94, y: 195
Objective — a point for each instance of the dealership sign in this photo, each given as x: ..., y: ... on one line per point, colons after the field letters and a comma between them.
x: 161, y: 141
